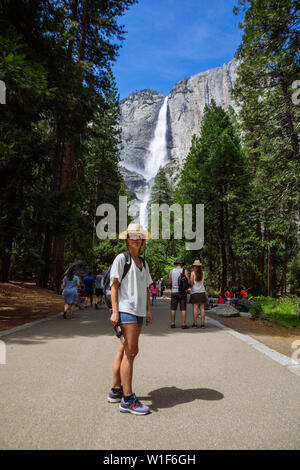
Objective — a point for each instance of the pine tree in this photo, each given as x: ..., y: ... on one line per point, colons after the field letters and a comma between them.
x: 268, y: 66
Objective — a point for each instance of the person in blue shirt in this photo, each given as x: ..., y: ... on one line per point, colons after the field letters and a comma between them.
x: 89, y: 282
x: 70, y: 286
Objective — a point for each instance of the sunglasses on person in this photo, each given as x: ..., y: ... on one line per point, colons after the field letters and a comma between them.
x: 136, y: 236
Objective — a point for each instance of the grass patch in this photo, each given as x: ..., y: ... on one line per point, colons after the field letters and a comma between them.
x: 281, y: 311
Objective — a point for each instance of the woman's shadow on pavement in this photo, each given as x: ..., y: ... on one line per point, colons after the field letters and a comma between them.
x: 167, y: 397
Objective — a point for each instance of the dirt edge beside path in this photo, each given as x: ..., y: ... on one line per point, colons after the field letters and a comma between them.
x: 23, y: 302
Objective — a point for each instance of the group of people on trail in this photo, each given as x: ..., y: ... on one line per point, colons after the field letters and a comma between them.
x: 80, y: 293
x: 181, y: 283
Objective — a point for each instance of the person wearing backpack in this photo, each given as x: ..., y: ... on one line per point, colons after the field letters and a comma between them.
x: 179, y: 282
x: 130, y: 305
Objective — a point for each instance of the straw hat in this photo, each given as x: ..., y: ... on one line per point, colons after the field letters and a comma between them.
x: 197, y: 263
x: 135, y: 228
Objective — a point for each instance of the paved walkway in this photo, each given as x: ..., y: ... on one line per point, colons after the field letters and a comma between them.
x: 206, y: 388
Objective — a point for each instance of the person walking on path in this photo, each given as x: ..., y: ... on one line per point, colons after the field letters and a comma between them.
x: 197, y: 297
x: 89, y: 282
x: 154, y: 291
x: 130, y: 305
x: 99, y: 289
x: 161, y: 287
x: 176, y: 295
x: 70, y: 286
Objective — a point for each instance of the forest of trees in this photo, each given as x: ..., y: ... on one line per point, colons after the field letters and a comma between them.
x: 59, y: 148
x: 59, y: 136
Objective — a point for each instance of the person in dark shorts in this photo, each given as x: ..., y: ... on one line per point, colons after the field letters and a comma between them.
x: 89, y: 282
x: 197, y: 297
x: 176, y: 296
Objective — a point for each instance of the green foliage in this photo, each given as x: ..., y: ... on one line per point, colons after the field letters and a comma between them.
x: 256, y: 311
x: 268, y: 65
x: 281, y: 311
x: 294, y: 275
x: 55, y: 58
x: 215, y: 174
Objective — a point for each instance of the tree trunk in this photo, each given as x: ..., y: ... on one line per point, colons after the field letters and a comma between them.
x: 269, y: 273
x: 223, y: 247
x: 289, y: 118
x: 282, y: 285
x: 59, y: 243
x: 43, y: 276
x: 6, y: 247
x: 229, y: 245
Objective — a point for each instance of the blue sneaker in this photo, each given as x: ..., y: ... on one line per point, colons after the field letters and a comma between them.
x: 115, y: 397
x: 134, y: 406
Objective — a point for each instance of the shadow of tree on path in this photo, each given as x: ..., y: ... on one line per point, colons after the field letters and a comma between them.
x: 167, y: 397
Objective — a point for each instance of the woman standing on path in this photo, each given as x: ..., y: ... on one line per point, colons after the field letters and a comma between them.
x: 197, y: 297
x: 130, y: 305
x: 70, y: 286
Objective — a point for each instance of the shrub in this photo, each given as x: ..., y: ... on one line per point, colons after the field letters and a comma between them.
x: 256, y: 311
x: 243, y: 305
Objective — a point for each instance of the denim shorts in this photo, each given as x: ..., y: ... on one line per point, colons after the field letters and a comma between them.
x: 130, y: 318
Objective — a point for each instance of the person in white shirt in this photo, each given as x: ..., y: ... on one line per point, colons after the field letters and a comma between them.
x: 197, y: 297
x: 130, y: 305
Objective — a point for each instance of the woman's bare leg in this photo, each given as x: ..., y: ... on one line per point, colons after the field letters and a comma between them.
x: 116, y: 367
x: 195, y: 313
x: 202, y: 310
x: 131, y: 333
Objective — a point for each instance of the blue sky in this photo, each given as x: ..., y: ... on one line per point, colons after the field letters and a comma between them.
x: 168, y: 40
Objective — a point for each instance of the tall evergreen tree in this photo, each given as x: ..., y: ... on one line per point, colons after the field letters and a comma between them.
x: 215, y: 174
x: 268, y: 66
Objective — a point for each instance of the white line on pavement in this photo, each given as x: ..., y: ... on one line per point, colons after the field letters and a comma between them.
x: 291, y: 364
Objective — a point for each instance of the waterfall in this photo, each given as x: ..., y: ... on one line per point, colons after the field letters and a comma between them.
x: 158, y: 156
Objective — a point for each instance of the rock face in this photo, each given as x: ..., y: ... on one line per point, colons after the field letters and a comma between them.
x: 187, y: 101
x: 138, y: 117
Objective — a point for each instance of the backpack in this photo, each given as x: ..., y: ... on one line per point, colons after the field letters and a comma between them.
x: 183, y: 283
x: 128, y: 260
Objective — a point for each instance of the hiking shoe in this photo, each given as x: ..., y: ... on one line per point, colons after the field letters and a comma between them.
x: 134, y: 406
x: 115, y: 397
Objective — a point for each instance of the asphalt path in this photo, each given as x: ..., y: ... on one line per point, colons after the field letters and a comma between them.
x: 206, y: 389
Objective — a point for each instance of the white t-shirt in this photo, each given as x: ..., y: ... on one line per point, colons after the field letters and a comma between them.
x: 132, y: 293
x: 198, y: 287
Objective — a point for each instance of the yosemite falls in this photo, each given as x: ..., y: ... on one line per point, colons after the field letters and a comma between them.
x: 157, y: 130
x: 158, y: 157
